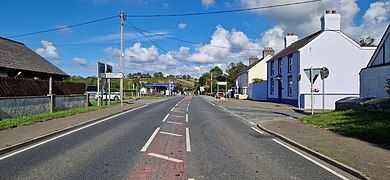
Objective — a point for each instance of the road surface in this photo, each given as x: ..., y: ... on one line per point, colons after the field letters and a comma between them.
x: 179, y: 138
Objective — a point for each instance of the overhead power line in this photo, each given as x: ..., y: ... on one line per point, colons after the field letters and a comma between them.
x: 220, y: 12
x: 163, y: 49
x: 64, y: 27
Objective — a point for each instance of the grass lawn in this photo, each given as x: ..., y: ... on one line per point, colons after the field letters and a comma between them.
x: 31, y: 119
x: 370, y: 126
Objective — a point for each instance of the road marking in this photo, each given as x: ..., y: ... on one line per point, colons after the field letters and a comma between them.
x: 312, y: 160
x: 176, y: 115
x: 70, y: 132
x: 165, y: 157
x: 166, y: 117
x: 150, y: 140
x: 172, y: 108
x: 188, y: 140
x: 191, y: 178
x: 176, y: 104
x: 174, y: 122
x: 186, y: 117
x: 187, y: 108
x: 172, y: 134
x: 261, y: 132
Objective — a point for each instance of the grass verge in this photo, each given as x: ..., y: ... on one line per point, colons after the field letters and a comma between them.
x: 31, y: 119
x: 369, y: 126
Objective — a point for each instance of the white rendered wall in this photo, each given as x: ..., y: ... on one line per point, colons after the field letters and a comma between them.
x: 342, y: 57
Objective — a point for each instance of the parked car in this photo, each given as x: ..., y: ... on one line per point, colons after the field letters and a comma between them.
x: 113, y: 96
x: 220, y: 95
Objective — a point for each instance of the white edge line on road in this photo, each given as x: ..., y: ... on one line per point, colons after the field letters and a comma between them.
x: 186, y: 117
x: 174, y: 122
x: 165, y: 157
x: 172, y: 134
x: 312, y: 160
x: 191, y: 178
x: 150, y: 140
x: 70, y: 132
x: 166, y: 117
x: 188, y: 140
x: 261, y: 132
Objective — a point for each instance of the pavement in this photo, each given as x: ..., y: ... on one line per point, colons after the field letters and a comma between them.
x: 370, y: 159
x: 185, y: 137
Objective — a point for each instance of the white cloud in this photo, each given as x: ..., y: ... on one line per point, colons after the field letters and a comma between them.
x: 48, y: 50
x: 182, y: 26
x: 304, y: 19
x: 80, y: 61
x: 208, y: 3
x: 64, y: 29
x: 136, y: 53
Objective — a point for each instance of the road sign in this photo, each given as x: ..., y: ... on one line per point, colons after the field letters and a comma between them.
x: 109, y: 69
x: 312, y: 74
x: 112, y: 75
x: 222, y: 83
x: 324, y: 73
x: 101, y: 67
x: 201, y: 89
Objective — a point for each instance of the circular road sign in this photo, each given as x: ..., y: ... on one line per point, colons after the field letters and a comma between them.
x: 324, y: 73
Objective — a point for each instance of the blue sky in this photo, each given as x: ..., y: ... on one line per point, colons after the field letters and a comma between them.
x: 76, y: 50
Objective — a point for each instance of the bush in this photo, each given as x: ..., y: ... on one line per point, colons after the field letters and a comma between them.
x: 257, y: 80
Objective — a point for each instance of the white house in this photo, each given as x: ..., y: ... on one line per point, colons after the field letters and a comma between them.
x: 328, y: 47
x: 257, y: 69
x: 373, y: 77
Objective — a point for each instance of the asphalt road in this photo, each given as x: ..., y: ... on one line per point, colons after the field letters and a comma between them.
x: 180, y: 138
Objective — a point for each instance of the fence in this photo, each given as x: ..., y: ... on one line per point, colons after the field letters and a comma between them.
x: 13, y: 87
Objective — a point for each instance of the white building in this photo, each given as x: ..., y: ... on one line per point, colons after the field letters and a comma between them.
x: 330, y: 48
x: 373, y: 77
x: 257, y: 69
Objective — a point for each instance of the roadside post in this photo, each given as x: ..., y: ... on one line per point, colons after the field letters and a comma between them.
x: 312, y: 74
x: 101, y: 68
x: 324, y: 74
x: 109, y: 70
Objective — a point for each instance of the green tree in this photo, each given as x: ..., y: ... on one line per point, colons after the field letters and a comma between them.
x: 367, y: 42
x: 233, y: 70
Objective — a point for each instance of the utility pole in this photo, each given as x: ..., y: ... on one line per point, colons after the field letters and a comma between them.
x: 122, y: 16
x: 211, y: 89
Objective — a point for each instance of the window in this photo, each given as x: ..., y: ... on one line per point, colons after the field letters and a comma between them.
x: 272, y: 86
x: 280, y: 65
x: 290, y: 65
x: 290, y: 86
x: 272, y: 68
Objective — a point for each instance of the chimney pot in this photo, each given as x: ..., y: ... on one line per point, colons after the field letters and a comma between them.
x: 268, y: 51
x: 334, y: 11
x: 327, y: 11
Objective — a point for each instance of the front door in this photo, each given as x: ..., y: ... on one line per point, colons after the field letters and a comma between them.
x: 280, y: 88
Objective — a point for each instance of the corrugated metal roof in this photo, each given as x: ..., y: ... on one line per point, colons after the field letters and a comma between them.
x: 16, y: 55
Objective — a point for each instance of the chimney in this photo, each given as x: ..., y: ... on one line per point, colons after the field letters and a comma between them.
x: 330, y: 21
x: 253, y: 59
x: 268, y: 51
x: 289, y: 39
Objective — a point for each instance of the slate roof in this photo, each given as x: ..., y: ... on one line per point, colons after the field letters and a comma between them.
x: 296, y: 45
x: 16, y: 55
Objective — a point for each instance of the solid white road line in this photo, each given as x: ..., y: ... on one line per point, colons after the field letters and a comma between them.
x: 165, y: 157
x: 261, y: 132
x: 188, y: 140
x: 166, y: 117
x: 150, y: 140
x: 186, y: 117
x: 172, y: 108
x: 310, y: 159
x: 70, y: 132
x: 174, y: 122
x: 172, y: 134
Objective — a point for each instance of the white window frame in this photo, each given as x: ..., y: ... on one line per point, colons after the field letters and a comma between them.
x: 290, y: 86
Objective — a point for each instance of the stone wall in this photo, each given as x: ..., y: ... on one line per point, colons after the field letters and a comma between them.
x: 364, y: 104
x: 26, y: 105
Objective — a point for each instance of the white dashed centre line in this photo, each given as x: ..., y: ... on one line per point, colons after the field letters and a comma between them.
x: 186, y: 117
x: 166, y: 117
x: 165, y: 157
x: 150, y: 140
x: 172, y: 108
x: 188, y: 140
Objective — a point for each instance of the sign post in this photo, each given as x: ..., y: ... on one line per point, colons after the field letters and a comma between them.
x: 101, y: 68
x: 324, y: 74
x: 312, y: 74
